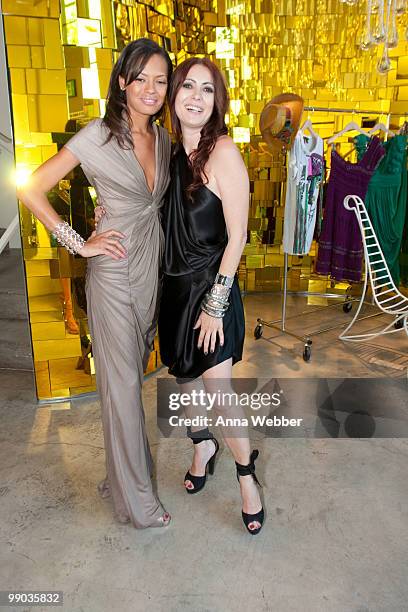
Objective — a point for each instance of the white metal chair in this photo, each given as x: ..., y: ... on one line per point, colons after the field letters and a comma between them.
x: 385, y: 294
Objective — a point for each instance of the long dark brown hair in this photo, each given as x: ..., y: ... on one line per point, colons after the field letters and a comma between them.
x: 130, y: 64
x: 215, y: 126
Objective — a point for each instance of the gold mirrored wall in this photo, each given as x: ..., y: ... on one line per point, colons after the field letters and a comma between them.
x: 311, y: 48
x: 60, y: 54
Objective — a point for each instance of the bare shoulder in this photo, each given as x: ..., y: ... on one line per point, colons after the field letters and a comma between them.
x: 225, y: 148
x: 224, y: 145
x: 225, y: 161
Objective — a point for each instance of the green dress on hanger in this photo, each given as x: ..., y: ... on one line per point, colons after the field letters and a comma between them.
x: 404, y: 256
x: 386, y: 199
x: 404, y: 251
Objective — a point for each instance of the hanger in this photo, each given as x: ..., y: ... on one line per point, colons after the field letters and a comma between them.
x: 308, y: 125
x: 383, y: 128
x: 352, y: 126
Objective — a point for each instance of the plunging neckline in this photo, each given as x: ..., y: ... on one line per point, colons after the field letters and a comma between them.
x: 156, y: 136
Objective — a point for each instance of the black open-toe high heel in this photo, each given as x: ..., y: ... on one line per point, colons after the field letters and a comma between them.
x: 198, y: 482
x: 246, y: 470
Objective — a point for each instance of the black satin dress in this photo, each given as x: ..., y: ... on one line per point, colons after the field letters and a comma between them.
x: 195, y: 240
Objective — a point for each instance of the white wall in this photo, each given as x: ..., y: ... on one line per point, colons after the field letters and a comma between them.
x: 8, y: 200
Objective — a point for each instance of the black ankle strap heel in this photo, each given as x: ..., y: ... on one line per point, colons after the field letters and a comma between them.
x: 198, y: 482
x: 249, y: 470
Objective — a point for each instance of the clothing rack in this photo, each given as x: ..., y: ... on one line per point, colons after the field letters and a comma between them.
x: 280, y: 324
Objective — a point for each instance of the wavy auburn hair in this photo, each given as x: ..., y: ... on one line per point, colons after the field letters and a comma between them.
x: 215, y: 126
x: 130, y: 64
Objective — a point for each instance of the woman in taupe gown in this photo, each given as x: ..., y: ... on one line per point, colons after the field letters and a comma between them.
x: 125, y: 157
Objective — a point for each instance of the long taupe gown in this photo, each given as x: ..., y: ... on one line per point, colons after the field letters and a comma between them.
x: 122, y: 306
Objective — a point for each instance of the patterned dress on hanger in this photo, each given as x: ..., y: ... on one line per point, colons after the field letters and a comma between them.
x: 386, y: 199
x: 340, y: 245
x: 305, y: 176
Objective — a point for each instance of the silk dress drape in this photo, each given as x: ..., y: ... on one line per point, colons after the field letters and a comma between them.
x: 122, y: 308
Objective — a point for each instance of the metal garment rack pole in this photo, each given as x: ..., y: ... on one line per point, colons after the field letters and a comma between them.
x: 358, y: 111
x: 347, y: 304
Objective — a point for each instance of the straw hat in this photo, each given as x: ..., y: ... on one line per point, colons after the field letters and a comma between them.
x: 280, y: 120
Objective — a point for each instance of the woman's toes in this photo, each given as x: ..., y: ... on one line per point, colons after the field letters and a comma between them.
x: 188, y: 484
x: 254, y: 525
x: 164, y: 519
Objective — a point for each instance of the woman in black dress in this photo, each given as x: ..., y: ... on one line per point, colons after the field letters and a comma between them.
x: 201, y: 323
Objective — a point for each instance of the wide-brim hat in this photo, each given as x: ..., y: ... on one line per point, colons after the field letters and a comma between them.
x: 280, y: 120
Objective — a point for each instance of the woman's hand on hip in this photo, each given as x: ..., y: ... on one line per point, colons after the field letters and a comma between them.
x: 99, y: 213
x: 106, y: 243
x: 209, y: 327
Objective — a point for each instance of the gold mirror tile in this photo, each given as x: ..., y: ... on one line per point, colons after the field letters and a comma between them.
x: 37, y: 268
x: 104, y: 59
x: 41, y: 138
x: 255, y: 261
x: 35, y: 32
x: 55, y: 349
x: 51, y: 330
x: 40, y: 253
x: 46, y: 81
x: 42, y: 379
x: 16, y: 31
x: 64, y: 373
x: 18, y: 80
x: 37, y: 57
x: 83, y: 389
x: 45, y: 316
x: 56, y: 393
x: 42, y: 286
x: 272, y: 259
x: 19, y: 56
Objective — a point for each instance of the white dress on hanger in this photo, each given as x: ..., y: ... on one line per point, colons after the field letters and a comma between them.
x: 305, y: 176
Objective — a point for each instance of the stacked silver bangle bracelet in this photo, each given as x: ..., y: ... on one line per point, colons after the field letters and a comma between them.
x: 215, y: 302
x: 68, y: 237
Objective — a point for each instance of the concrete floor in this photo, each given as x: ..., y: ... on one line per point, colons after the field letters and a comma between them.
x: 335, y: 534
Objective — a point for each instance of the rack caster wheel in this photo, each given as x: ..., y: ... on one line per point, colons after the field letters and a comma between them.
x: 399, y: 324
x: 347, y: 306
x: 258, y: 331
x: 307, y: 352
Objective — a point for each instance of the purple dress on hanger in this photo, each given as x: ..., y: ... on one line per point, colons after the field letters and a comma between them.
x: 340, y: 251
